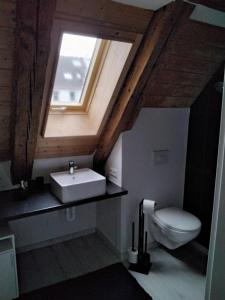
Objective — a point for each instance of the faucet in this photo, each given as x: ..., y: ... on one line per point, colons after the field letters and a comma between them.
x: 72, y: 167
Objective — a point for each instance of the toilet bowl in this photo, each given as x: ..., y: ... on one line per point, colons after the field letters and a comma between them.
x: 173, y: 227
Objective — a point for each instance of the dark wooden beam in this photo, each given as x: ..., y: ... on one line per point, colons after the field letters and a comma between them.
x: 108, y: 13
x: 33, y: 28
x: 130, y: 102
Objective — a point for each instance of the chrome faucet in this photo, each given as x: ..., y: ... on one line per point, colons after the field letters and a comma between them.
x: 72, y: 167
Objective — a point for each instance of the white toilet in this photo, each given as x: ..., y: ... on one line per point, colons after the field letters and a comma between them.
x: 173, y: 227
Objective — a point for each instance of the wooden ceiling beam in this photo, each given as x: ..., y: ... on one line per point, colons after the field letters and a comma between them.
x: 130, y: 102
x: 104, y: 12
x: 33, y: 28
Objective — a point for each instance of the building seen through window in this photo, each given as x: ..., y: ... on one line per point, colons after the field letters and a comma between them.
x: 74, y: 64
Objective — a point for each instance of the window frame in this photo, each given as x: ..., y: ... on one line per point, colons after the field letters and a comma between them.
x: 84, y: 27
x: 91, y: 80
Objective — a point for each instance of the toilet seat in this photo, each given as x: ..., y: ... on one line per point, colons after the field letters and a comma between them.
x: 176, y: 219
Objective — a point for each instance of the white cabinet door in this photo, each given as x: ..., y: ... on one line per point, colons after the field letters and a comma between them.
x: 8, y: 288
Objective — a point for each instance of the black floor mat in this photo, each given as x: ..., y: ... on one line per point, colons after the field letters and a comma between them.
x: 111, y: 283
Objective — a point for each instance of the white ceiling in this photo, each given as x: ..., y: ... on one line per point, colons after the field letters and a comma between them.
x: 208, y: 15
x: 147, y: 4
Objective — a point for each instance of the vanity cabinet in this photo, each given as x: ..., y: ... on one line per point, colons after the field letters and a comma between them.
x: 8, y: 269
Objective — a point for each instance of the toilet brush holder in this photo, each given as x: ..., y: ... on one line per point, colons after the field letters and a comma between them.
x: 143, y: 264
x: 132, y: 256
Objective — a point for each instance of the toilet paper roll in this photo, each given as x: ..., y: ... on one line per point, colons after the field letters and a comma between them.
x: 149, y: 207
x: 132, y: 256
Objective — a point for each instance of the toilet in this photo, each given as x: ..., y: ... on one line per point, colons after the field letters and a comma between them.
x: 173, y: 227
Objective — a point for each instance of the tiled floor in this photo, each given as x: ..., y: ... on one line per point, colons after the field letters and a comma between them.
x: 178, y: 275
x: 48, y: 265
x: 174, y: 276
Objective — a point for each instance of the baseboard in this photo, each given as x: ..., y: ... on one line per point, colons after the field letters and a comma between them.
x: 108, y: 243
x: 153, y: 245
x: 122, y: 255
x: 55, y: 240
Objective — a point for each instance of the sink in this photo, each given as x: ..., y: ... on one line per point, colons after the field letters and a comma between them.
x: 84, y: 183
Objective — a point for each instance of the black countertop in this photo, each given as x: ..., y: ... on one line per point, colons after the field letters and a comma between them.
x: 14, y: 206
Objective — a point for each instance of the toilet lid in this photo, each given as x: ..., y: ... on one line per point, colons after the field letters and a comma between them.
x: 177, y: 219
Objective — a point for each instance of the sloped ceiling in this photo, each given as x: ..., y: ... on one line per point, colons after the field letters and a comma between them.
x: 208, y: 15
x: 194, y: 52
x: 147, y: 4
x: 191, y: 55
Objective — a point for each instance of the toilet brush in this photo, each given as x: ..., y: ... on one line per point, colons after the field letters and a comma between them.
x: 133, y: 253
x: 133, y: 228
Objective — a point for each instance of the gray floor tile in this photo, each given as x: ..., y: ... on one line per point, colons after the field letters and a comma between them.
x: 175, y: 275
x: 70, y: 259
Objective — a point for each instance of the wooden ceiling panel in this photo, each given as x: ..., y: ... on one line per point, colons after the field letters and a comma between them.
x: 173, y: 89
x: 6, y: 94
x: 7, y: 43
x: 187, y: 64
x: 6, y: 76
x: 5, y: 138
x: 7, y: 14
x: 193, y: 53
x: 109, y: 13
x: 7, y: 38
x: 191, y: 30
x: 6, y: 58
x: 200, y: 50
x: 55, y: 147
x: 170, y: 76
x: 168, y: 101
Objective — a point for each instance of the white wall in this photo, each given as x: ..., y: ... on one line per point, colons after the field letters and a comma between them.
x: 113, y: 168
x: 5, y: 179
x: 109, y: 212
x: 42, y: 167
x: 109, y: 221
x: 39, y: 228
x: 155, y: 129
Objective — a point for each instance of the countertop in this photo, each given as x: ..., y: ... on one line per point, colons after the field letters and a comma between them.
x: 13, y: 205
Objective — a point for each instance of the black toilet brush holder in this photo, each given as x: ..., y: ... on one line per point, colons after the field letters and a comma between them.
x: 143, y: 264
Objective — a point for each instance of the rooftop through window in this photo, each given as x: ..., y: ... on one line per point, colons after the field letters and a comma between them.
x: 77, y: 57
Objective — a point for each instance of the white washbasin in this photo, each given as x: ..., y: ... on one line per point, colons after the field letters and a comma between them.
x: 84, y: 183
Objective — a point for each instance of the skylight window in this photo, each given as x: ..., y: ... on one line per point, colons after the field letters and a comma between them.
x: 80, y: 93
x: 78, y: 63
